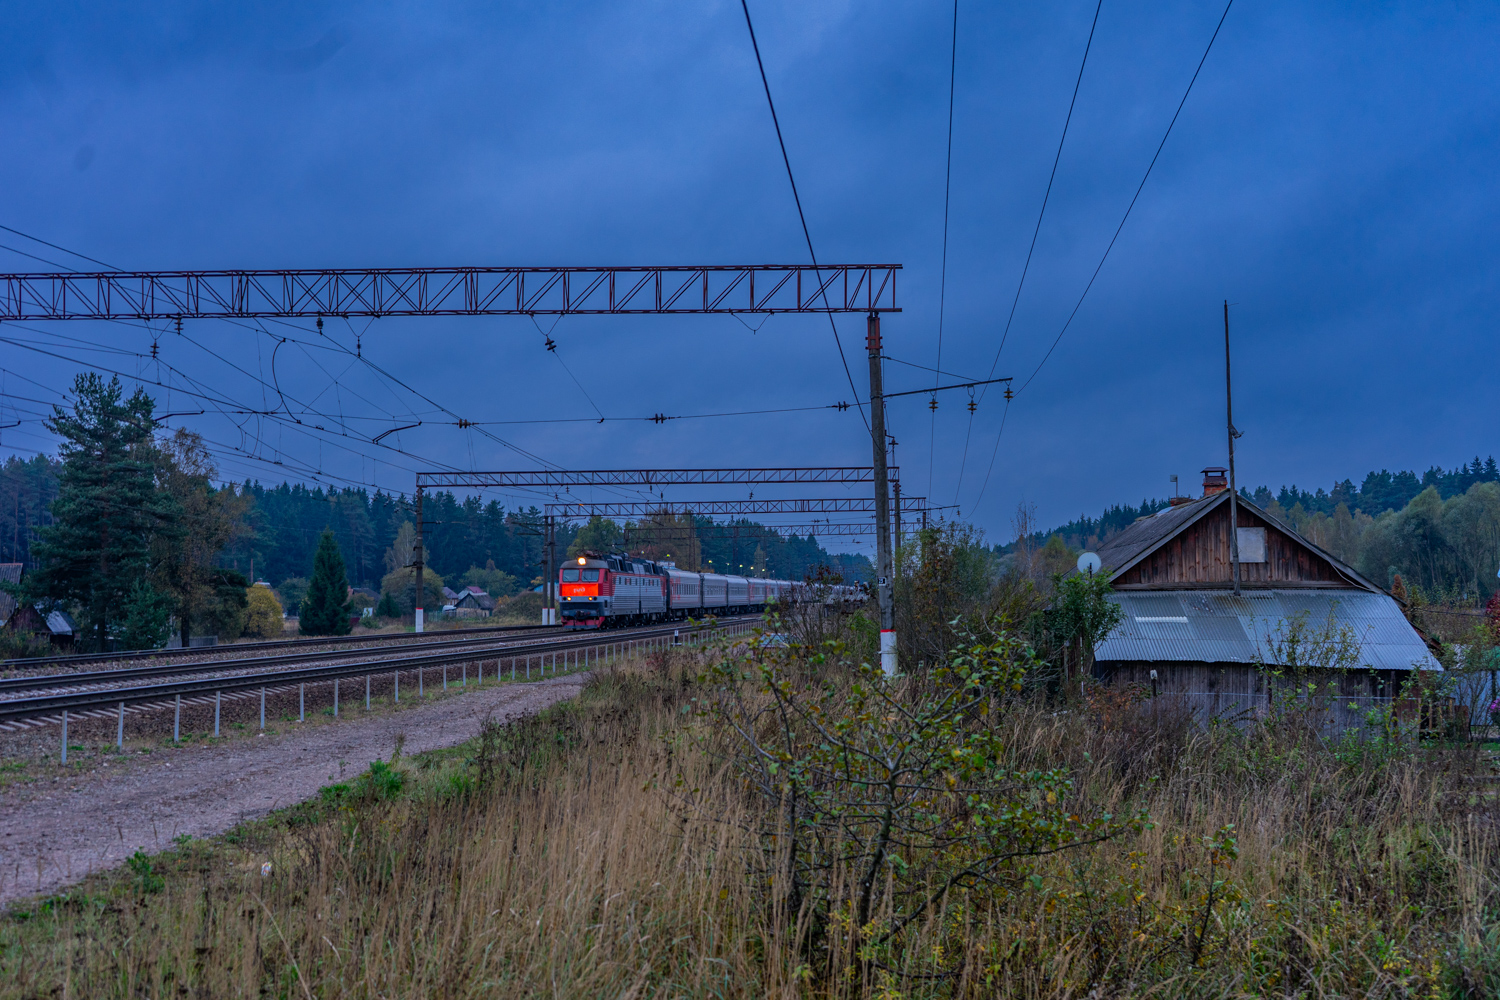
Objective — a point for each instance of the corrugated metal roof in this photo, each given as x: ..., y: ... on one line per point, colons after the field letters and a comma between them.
x: 1196, y: 626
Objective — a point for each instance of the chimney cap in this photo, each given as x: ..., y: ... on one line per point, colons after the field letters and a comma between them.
x: 1217, y: 468
x: 1215, y: 480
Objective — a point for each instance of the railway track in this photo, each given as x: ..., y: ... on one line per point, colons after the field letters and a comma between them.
x: 393, y: 639
x: 30, y: 702
x: 230, y: 666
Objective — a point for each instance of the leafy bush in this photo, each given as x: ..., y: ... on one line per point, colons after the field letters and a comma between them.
x: 263, y: 613
x: 882, y: 797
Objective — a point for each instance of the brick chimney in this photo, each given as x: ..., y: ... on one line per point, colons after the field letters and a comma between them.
x: 1215, y: 480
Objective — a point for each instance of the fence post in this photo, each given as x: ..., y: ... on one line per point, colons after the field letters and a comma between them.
x: 528, y: 666
x: 512, y: 668
x: 65, y: 736
x: 335, y: 697
x: 120, y: 732
x: 217, y: 701
x: 445, y: 677
x: 396, y: 684
x: 463, y: 680
x: 262, y: 709
x: 301, y: 702
x: 177, y: 720
x: 367, y: 692
x: 420, y: 690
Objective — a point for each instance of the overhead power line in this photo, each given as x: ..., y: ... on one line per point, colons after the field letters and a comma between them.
x: 806, y: 233
x: 1118, y: 229
x: 75, y: 253
x: 943, y: 279
x: 1035, y: 233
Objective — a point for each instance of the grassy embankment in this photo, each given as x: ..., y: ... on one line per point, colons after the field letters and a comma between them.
x: 607, y: 848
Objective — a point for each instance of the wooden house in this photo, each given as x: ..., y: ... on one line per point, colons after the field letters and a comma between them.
x: 1185, y: 632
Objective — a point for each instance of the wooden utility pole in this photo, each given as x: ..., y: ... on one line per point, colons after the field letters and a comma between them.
x: 883, y: 569
x: 416, y: 562
x: 1234, y: 514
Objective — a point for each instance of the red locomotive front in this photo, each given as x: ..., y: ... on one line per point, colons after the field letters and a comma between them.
x: 583, y: 592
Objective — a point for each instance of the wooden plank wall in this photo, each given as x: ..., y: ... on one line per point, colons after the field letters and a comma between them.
x: 1236, y: 693
x: 1199, y: 556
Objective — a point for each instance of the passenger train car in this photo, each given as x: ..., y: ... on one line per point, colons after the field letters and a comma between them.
x: 595, y: 592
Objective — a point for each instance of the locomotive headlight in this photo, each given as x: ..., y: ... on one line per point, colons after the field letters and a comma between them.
x: 582, y: 560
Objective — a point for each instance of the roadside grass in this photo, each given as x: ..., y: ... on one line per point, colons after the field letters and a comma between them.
x: 598, y: 850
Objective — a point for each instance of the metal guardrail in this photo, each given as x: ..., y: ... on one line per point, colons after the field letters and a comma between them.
x: 43, y: 706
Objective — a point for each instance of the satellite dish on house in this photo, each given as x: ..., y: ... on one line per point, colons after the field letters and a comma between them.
x: 1089, y: 563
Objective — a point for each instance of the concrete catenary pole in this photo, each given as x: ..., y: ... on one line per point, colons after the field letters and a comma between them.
x: 416, y: 560
x: 883, y: 567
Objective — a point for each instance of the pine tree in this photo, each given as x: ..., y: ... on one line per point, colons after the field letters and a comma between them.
x: 146, y: 622
x: 326, y: 609
x: 387, y: 608
x: 108, y: 508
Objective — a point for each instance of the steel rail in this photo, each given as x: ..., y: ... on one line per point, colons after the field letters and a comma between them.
x: 27, y: 708
x: 335, y: 640
x: 30, y: 682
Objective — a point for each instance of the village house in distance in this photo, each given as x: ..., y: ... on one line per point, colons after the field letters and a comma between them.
x: 1184, y: 628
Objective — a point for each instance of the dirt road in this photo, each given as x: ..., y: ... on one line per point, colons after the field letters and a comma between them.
x: 50, y: 839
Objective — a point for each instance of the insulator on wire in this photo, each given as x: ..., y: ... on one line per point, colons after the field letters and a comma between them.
x: 932, y: 404
x: 1009, y: 394
x: 551, y: 345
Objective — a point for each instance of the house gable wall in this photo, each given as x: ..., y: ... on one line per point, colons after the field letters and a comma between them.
x: 1198, y: 556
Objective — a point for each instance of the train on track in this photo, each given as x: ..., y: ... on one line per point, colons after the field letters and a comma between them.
x: 612, y: 591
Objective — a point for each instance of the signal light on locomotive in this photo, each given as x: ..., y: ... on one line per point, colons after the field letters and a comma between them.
x: 582, y: 560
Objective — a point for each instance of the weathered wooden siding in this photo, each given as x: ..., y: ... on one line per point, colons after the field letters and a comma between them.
x: 1237, y: 693
x: 1199, y: 556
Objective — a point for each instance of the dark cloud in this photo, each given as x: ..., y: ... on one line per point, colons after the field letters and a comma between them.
x: 309, y: 57
x: 1331, y: 175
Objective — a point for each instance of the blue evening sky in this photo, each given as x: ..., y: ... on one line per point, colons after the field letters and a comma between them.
x: 1331, y: 176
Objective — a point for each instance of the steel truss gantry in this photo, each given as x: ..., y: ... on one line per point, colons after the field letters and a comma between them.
x: 754, y: 531
x: 566, y: 478
x: 729, y: 508
x: 451, y: 291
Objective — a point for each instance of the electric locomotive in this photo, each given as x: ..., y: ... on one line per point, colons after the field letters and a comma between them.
x: 596, y: 591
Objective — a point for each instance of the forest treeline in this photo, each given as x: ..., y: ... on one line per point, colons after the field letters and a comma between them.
x: 282, y: 525
x: 193, y: 544
x: 1439, y: 530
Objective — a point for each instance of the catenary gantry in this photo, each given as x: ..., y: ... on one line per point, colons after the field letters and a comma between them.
x: 450, y: 291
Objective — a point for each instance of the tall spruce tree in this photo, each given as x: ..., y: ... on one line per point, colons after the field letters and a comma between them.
x: 326, y: 609
x: 108, y: 507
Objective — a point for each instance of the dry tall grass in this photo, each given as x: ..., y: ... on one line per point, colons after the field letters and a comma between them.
x: 557, y: 858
